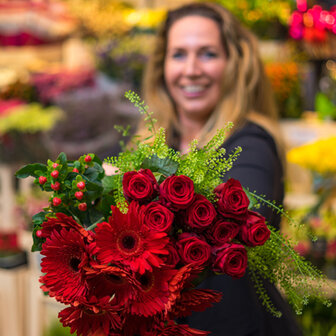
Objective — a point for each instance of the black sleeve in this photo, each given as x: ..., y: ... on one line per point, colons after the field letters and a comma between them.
x: 258, y: 168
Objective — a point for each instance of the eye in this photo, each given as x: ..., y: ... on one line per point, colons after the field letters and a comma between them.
x: 177, y: 55
x: 208, y: 54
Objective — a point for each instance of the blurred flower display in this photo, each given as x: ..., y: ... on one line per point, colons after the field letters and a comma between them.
x: 319, y: 220
x: 124, y: 59
x: 11, y: 254
x: 316, y: 156
x: 268, y: 19
x: 285, y: 81
x: 21, y: 129
x: 315, y: 30
x: 24, y: 23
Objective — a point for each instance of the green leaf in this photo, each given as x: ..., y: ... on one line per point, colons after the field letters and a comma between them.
x: 62, y: 159
x: 105, y: 205
x: 110, y: 183
x: 165, y: 166
x: 91, y: 174
x: 31, y: 170
x: 39, y: 218
x: 37, y: 242
x: 252, y: 199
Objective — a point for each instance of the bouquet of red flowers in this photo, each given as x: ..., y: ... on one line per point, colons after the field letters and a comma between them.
x: 126, y: 252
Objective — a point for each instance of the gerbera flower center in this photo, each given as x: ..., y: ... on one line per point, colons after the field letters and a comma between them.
x: 114, y: 278
x: 74, y: 263
x: 128, y: 242
x: 147, y: 281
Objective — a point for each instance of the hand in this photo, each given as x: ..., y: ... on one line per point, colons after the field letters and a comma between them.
x: 109, y: 169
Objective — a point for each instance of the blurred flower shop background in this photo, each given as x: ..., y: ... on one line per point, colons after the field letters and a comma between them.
x: 64, y: 69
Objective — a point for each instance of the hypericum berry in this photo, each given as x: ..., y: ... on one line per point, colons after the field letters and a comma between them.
x: 79, y: 195
x: 56, y: 201
x: 88, y: 158
x: 42, y: 180
x: 82, y: 206
x: 56, y: 186
x: 55, y: 165
x: 75, y: 170
x: 39, y: 233
x: 81, y: 185
x: 54, y: 174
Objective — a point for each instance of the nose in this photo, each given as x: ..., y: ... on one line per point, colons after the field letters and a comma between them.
x: 192, y: 66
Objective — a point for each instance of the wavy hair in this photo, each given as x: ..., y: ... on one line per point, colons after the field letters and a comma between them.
x: 246, y: 92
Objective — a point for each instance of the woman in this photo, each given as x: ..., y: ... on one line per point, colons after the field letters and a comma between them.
x: 205, y: 71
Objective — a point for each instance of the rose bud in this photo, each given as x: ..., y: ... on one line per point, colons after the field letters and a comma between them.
x: 56, y: 201
x: 156, y: 217
x: 55, y: 165
x: 75, y: 170
x: 173, y: 257
x: 42, y: 180
x: 54, y: 174
x: 255, y: 231
x: 222, y: 232
x: 200, y: 214
x: 230, y: 259
x: 81, y: 185
x: 177, y: 192
x: 55, y: 186
x: 140, y: 186
x: 232, y: 200
x: 192, y: 249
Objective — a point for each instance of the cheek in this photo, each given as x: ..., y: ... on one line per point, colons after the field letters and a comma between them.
x: 171, y: 72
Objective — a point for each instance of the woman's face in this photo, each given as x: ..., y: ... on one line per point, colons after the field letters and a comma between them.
x: 194, y: 66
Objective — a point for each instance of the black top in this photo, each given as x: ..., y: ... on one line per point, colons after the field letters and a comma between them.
x: 240, y: 313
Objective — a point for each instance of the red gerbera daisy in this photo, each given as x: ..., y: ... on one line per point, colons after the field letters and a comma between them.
x: 172, y: 329
x: 154, y: 294
x: 92, y: 318
x: 124, y: 239
x: 62, y: 221
x: 66, y: 255
x: 113, y: 281
x: 194, y: 300
x: 181, y: 280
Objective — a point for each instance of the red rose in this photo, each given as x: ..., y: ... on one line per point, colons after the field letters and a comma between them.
x: 230, y: 259
x: 232, y: 200
x: 156, y: 217
x: 177, y: 192
x: 255, y: 231
x: 139, y: 186
x: 223, y: 231
x: 192, y: 249
x: 200, y: 214
x: 173, y: 257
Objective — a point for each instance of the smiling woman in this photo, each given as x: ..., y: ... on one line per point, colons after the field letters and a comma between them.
x: 205, y: 71
x: 194, y: 67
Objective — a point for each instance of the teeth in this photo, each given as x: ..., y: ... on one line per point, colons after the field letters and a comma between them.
x: 193, y: 88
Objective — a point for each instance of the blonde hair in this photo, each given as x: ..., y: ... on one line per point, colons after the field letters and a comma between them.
x: 247, y: 94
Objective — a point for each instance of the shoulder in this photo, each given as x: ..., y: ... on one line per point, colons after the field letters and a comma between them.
x: 258, y: 147
x: 250, y: 133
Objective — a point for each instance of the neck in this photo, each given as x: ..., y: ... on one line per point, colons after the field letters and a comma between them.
x: 190, y: 129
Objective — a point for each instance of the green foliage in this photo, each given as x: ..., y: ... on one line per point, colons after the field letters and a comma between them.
x: 88, y: 170
x: 318, y: 320
x: 324, y: 106
x: 275, y: 261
